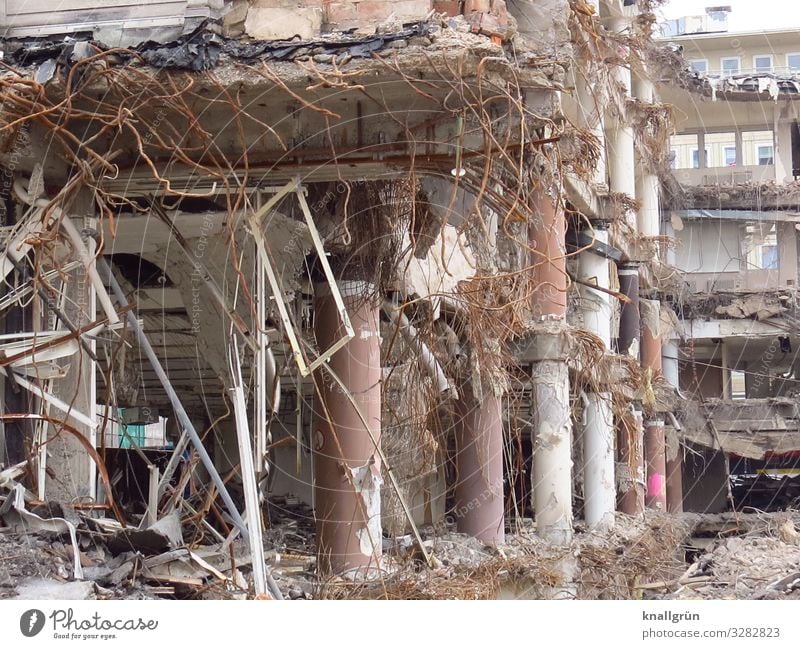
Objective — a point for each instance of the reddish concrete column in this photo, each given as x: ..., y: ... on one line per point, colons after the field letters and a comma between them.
x: 546, y: 238
x: 479, y: 465
x: 629, y: 332
x: 655, y: 444
x: 655, y: 453
x: 675, y: 482
x: 630, y: 469
x: 347, y: 467
x: 630, y: 433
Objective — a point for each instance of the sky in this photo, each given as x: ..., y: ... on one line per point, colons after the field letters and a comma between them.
x: 747, y: 15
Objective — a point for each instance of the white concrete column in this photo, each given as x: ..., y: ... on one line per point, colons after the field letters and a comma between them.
x: 598, y: 433
x: 669, y: 362
x: 647, y: 185
x: 590, y: 110
x: 621, y: 158
x: 552, y: 451
x: 74, y: 472
x: 727, y: 392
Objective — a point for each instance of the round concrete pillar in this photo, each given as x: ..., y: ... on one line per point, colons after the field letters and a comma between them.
x: 479, y: 465
x: 347, y: 467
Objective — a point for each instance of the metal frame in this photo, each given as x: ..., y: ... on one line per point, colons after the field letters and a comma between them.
x: 255, y: 220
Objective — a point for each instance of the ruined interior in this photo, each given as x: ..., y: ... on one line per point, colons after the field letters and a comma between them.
x: 391, y: 300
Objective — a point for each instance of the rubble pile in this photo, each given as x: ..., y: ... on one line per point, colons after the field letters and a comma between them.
x: 763, y: 563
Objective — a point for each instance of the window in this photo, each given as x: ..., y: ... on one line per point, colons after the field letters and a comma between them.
x: 763, y: 63
x: 681, y: 147
x: 764, y: 155
x: 720, y: 150
x: 793, y: 62
x: 699, y: 65
x: 758, y: 148
x: 760, y: 246
x: 737, y: 385
x: 730, y: 66
x: 696, y: 162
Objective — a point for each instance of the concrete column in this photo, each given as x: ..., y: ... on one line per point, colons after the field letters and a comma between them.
x: 72, y: 470
x: 598, y: 434
x: 670, y: 367
x: 630, y: 433
x: 654, y: 439
x: 619, y: 134
x: 548, y: 258
x: 655, y: 452
x: 629, y: 333
x: 552, y: 451
x: 669, y: 363
x: 727, y: 389
x: 347, y: 467
x: 630, y: 470
x: 593, y: 119
x: 650, y: 313
x: 479, y: 464
x: 674, y: 466
x: 552, y: 426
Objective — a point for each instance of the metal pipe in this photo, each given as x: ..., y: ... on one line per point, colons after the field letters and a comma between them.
x: 347, y: 465
x: 88, y: 260
x: 479, y: 507
x: 248, y: 471
x: 426, y: 358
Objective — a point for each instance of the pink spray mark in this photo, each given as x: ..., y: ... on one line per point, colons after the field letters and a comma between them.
x: 656, y: 485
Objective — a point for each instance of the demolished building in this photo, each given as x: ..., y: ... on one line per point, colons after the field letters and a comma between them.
x: 305, y: 288
x: 730, y: 206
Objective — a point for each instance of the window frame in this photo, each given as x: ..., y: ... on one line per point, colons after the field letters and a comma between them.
x: 764, y: 144
x: 696, y: 149
x: 725, y: 150
x: 724, y: 72
x: 788, y: 66
x: 764, y: 56
x: 704, y: 61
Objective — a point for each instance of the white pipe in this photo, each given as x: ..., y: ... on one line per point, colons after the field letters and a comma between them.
x: 84, y: 255
x: 88, y: 261
x: 248, y: 471
x: 68, y: 410
x: 426, y: 357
